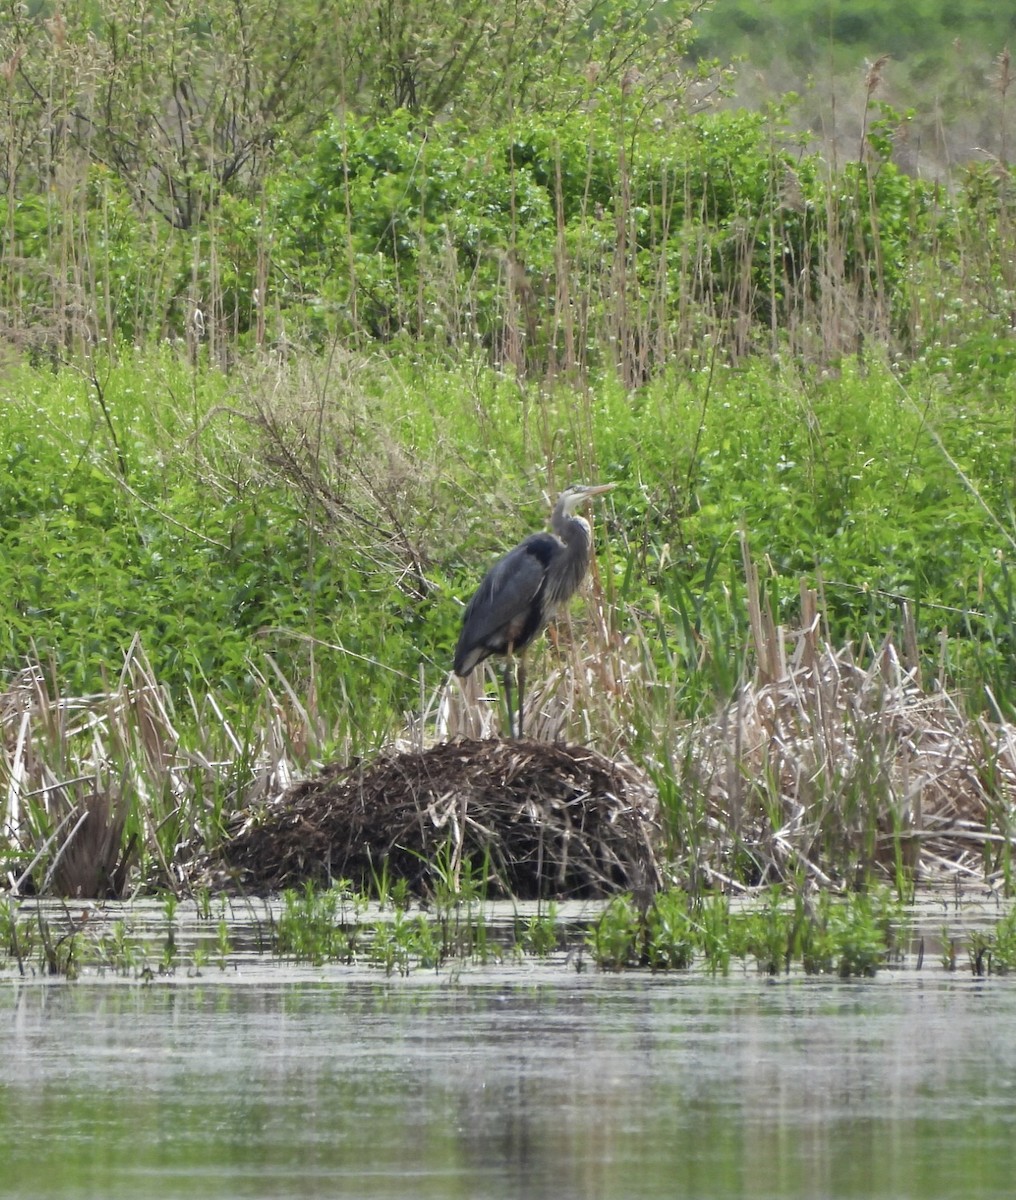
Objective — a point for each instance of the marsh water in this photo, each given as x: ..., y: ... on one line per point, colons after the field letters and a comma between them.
x: 530, y: 1080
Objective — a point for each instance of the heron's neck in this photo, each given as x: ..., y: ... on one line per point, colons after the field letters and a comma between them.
x: 572, y: 530
x: 566, y: 525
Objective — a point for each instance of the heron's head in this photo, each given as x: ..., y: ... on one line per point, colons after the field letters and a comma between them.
x: 572, y: 498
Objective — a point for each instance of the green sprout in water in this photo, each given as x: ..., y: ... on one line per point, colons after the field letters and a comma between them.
x: 223, y: 946
x: 318, y: 925
x: 538, y: 934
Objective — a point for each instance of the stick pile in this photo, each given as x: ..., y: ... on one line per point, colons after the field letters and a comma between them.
x: 539, y: 819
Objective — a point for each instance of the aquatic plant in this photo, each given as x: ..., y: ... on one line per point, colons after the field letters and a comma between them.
x: 990, y: 951
x: 120, y: 951
x: 767, y: 935
x: 539, y: 934
x: 851, y: 935
x: 615, y: 938
x: 717, y: 937
x: 223, y: 943
x: 670, y: 936
x: 319, y: 924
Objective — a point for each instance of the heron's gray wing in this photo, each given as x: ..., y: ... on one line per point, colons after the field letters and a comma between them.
x: 506, y: 609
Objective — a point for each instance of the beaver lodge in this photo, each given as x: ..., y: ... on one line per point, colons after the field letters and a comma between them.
x: 536, y: 819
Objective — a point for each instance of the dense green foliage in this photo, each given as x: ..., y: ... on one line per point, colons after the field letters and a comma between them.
x: 111, y: 526
x: 165, y: 512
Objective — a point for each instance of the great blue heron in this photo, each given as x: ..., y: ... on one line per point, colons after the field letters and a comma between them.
x: 522, y: 590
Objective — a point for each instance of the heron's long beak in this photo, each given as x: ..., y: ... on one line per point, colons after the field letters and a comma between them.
x: 594, y: 489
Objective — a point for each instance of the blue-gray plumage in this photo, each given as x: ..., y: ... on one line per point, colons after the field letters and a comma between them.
x: 521, y: 591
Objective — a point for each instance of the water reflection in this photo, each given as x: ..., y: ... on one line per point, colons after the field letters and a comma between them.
x: 580, y: 1086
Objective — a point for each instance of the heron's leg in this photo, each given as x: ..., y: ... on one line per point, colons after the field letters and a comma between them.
x: 509, y: 667
x: 522, y: 688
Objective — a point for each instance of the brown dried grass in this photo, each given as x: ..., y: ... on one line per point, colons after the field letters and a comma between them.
x: 833, y: 762
x: 66, y: 806
x: 92, y: 785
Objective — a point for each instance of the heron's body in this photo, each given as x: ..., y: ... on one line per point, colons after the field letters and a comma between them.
x: 523, y: 589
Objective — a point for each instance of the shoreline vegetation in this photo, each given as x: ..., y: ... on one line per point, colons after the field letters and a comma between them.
x: 280, y: 376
